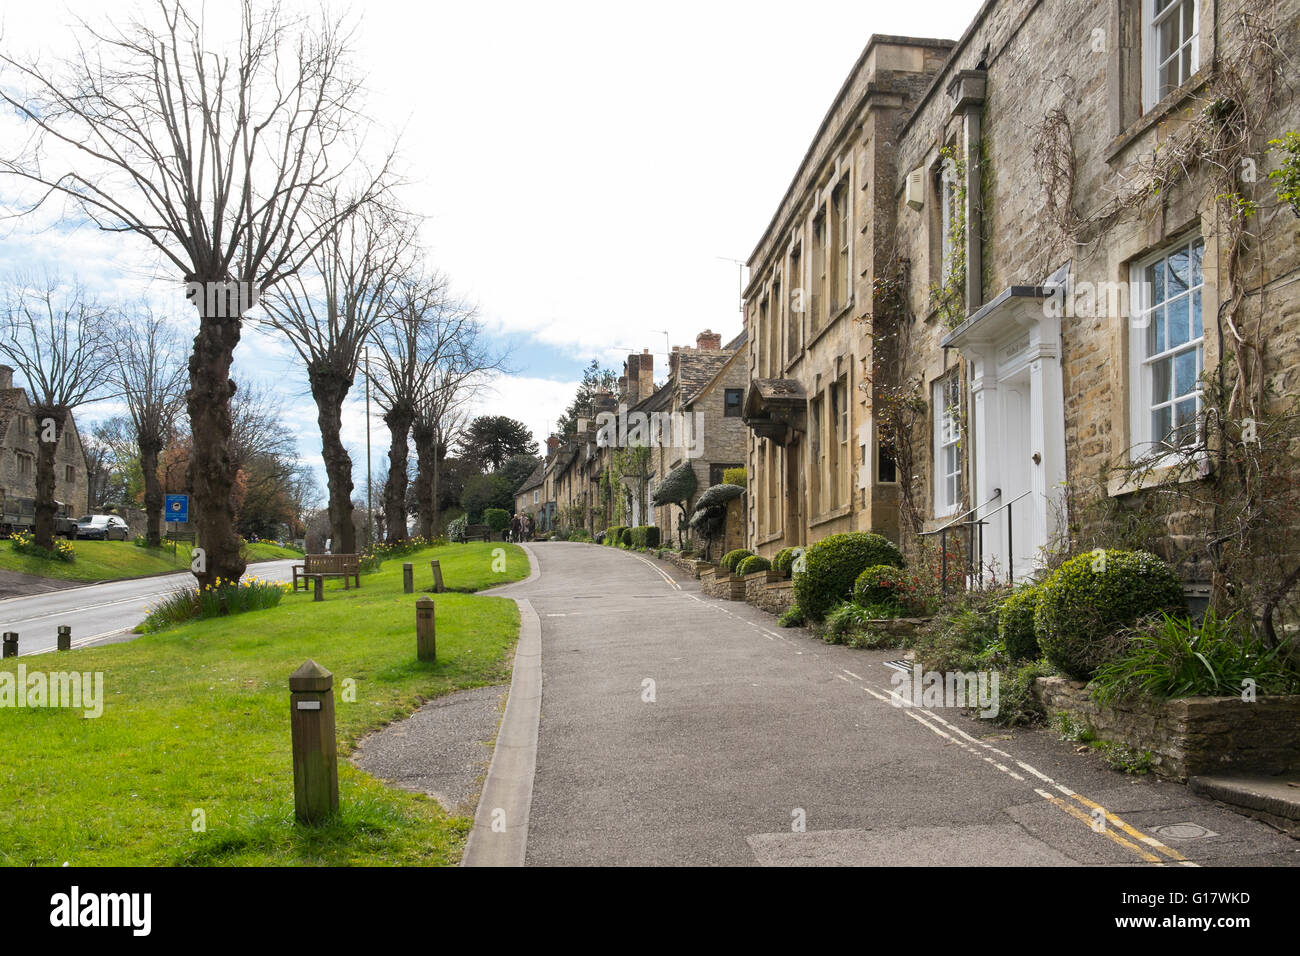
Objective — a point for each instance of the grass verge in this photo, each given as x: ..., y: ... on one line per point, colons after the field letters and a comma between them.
x: 117, y: 560
x: 197, y: 719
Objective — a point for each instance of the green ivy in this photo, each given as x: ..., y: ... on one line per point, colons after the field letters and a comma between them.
x: 1287, y: 175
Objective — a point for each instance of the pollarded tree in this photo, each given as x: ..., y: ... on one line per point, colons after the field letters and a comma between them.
x: 211, y: 155
x: 328, y: 312
x: 59, y: 340
x: 678, y: 489
x: 150, y: 373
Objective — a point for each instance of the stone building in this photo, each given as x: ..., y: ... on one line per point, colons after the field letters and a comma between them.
x: 528, y: 496
x: 19, y: 437
x: 1009, y: 271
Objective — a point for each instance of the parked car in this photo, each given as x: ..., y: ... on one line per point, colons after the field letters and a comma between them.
x: 102, y: 528
x: 19, y: 514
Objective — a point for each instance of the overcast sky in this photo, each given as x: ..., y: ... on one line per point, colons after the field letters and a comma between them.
x: 588, y: 170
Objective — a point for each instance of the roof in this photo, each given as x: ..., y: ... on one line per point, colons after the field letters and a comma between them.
x: 537, y: 476
x: 697, y: 368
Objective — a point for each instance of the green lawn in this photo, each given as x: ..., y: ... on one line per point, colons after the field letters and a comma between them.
x: 197, y: 718
x: 113, y: 560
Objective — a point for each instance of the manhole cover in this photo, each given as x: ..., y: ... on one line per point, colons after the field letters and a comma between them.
x: 1182, y: 831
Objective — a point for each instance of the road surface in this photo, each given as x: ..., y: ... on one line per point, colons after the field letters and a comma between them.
x: 680, y: 729
x: 99, y: 613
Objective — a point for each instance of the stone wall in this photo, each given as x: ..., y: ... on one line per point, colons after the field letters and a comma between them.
x: 1190, y: 735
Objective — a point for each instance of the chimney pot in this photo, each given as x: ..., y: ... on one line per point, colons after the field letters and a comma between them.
x: 708, y: 339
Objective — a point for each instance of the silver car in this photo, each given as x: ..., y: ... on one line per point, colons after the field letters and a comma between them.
x: 102, y: 528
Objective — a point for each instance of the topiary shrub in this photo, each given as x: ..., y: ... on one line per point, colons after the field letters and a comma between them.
x: 733, y: 558
x: 783, y: 561
x: 1089, y: 599
x: 625, y: 537
x: 878, y: 584
x: 832, y: 566
x: 735, y: 476
x: 1016, y: 623
x: 613, y: 535
x: 752, y: 565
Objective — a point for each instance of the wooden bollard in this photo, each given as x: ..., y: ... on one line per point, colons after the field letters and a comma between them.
x: 426, y: 644
x: 437, y: 576
x: 408, y: 577
x: 318, y: 588
x: 65, y: 637
x: 315, y: 754
x: 11, y: 644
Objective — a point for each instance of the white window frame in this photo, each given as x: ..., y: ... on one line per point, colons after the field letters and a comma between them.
x: 1142, y: 437
x: 947, y: 434
x: 535, y: 497
x: 1151, y: 65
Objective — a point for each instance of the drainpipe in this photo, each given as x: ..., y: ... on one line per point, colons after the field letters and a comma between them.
x: 967, y: 89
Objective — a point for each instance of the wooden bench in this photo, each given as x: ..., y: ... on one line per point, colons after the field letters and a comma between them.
x: 343, y: 566
x: 476, y: 531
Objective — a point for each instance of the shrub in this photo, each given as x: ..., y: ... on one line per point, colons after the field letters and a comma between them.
x: 24, y: 542
x: 625, y: 538
x: 1016, y: 623
x: 735, y: 476
x: 1175, y: 657
x: 457, y: 528
x: 732, y: 558
x: 498, y: 519
x: 783, y: 560
x: 961, y: 636
x: 793, y: 617
x: 833, y: 565
x: 753, y: 564
x: 645, y: 536
x: 612, y: 534
x: 560, y: 534
x: 1087, y: 600
x: 884, y: 585
x: 844, y: 619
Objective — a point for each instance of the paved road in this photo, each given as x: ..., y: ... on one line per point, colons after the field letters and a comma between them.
x: 100, y: 612
x: 754, y: 730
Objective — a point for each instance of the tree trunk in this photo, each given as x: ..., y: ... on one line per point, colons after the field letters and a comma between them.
x: 211, y: 471
x: 49, y: 429
x: 150, y: 448
x: 398, y: 421
x: 329, y: 393
x: 426, y: 465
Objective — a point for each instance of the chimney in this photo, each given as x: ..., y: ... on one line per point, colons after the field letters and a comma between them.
x: 708, y: 339
x: 6, y: 377
x: 673, y: 360
x: 646, y: 375
x: 552, y: 443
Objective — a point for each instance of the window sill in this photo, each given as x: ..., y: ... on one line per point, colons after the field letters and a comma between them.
x: 1155, y: 114
x: 1157, y: 476
x: 831, y: 515
x: 774, y: 536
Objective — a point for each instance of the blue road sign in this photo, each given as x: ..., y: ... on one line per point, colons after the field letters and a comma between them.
x: 177, y: 508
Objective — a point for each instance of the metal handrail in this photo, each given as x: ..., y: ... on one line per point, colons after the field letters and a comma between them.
x: 997, y: 493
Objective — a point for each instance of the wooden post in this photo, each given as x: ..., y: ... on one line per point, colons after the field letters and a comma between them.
x: 65, y: 637
x: 315, y: 753
x: 437, y: 577
x: 408, y: 577
x: 11, y: 644
x: 319, y: 586
x: 426, y: 644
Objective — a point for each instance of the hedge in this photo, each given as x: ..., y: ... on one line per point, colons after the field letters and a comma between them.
x: 753, y: 564
x: 783, y: 562
x: 614, y: 534
x: 832, y: 566
x: 1016, y: 623
x: 645, y: 536
x: 735, y: 476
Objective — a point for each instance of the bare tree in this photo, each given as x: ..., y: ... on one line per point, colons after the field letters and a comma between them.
x: 329, y: 312
x: 211, y: 156
x: 59, y: 340
x: 151, y: 374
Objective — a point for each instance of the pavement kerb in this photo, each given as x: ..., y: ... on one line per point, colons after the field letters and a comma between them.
x: 500, y: 833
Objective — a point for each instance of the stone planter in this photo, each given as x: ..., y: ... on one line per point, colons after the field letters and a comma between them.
x: 717, y: 583
x: 756, y: 584
x: 1189, y: 735
x: 775, y: 597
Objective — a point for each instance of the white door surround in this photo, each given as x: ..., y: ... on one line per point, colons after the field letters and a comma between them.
x: 1018, y: 425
